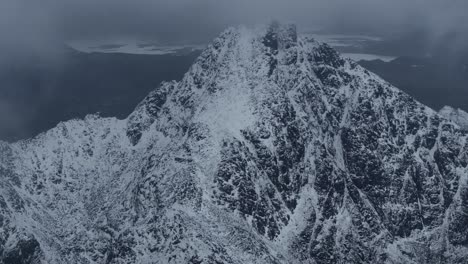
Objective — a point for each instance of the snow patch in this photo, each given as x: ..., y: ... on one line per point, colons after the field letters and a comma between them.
x: 458, y: 116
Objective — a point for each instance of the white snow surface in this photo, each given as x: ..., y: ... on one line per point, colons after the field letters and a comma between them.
x: 458, y: 116
x: 271, y: 149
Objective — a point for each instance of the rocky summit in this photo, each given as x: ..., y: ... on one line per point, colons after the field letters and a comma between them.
x: 271, y: 149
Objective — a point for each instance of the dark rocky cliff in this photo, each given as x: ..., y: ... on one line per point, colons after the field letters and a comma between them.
x: 271, y: 149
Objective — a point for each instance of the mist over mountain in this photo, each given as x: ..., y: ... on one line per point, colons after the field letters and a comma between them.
x: 38, y: 26
x: 37, y: 95
x: 33, y: 35
x: 272, y: 148
x: 315, y: 132
x: 110, y: 76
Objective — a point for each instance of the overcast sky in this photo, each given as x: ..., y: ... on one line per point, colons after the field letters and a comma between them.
x: 31, y: 27
x: 38, y: 22
x: 37, y: 27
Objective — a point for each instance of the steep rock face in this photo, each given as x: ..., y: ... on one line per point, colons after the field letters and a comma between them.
x: 271, y: 149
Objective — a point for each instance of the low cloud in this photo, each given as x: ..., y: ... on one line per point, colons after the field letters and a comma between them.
x: 37, y: 29
x: 29, y: 22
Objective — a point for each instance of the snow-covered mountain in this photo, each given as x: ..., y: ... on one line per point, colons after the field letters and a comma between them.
x: 271, y: 149
x: 458, y: 116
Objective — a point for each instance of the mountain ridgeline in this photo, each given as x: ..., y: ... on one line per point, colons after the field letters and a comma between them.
x: 458, y: 116
x: 271, y: 149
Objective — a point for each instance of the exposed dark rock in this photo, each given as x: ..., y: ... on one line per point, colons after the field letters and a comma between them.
x: 271, y: 149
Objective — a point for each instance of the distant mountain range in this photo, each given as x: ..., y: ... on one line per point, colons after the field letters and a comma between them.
x: 435, y: 81
x: 134, y: 47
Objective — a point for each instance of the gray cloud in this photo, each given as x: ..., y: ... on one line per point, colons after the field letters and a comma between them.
x: 36, y: 29
x: 37, y: 23
x: 201, y: 18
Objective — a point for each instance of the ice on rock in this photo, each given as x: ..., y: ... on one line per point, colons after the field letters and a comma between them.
x: 458, y: 116
x: 271, y: 149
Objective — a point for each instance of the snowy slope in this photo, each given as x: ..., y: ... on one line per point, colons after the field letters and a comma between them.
x: 271, y: 149
x: 458, y: 116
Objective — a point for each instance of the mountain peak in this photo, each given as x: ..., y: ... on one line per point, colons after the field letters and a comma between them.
x: 240, y: 67
x: 271, y: 149
x: 280, y: 36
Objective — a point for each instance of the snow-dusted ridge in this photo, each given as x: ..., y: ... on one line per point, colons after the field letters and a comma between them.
x: 271, y: 149
x: 458, y: 116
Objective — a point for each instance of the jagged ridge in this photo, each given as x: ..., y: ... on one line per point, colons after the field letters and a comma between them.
x: 458, y: 116
x: 271, y: 149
